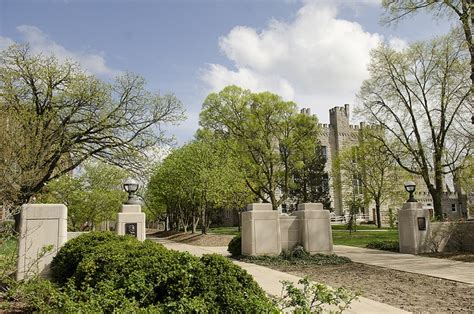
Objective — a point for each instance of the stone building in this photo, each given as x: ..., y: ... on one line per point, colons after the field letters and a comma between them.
x: 336, y: 136
x: 339, y: 134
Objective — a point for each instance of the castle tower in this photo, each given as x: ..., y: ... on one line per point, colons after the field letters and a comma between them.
x: 335, y: 137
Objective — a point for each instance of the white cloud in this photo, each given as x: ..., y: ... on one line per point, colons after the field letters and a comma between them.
x: 5, y: 42
x: 317, y: 60
x: 40, y: 43
x: 397, y: 44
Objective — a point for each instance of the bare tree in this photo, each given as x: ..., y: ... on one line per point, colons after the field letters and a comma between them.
x: 463, y: 10
x: 54, y: 117
x: 420, y: 96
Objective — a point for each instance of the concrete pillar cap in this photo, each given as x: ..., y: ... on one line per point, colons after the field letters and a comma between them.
x: 259, y: 206
x: 310, y: 206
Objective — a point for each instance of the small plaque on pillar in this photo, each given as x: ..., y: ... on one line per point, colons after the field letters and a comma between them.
x: 421, y: 223
x: 131, y: 229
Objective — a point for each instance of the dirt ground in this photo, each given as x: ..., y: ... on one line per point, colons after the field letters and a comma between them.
x: 455, y: 256
x: 411, y: 292
x: 197, y: 239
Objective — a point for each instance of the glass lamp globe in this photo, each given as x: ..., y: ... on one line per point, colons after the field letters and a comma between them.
x: 130, y: 185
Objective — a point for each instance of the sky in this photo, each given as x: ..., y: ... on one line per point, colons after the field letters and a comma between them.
x: 313, y: 52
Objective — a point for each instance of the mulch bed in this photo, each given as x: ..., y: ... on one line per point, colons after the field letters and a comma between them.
x: 197, y: 239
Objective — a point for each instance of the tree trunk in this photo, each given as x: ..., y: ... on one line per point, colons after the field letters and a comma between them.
x: 240, y: 219
x: 203, y: 221
x: 195, y: 222
x: 377, y: 211
x: 17, y: 218
x: 436, y: 195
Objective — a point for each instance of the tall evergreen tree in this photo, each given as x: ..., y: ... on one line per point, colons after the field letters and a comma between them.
x: 311, y: 181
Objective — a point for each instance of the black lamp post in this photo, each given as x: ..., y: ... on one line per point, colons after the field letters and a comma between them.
x: 131, y: 186
x: 410, y: 187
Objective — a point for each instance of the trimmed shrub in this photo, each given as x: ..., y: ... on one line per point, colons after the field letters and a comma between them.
x: 145, y: 272
x: 235, y: 246
x: 384, y: 245
x: 64, y: 264
x: 230, y: 287
x: 103, y: 272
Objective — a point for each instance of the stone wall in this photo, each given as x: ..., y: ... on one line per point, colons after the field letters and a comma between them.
x: 451, y: 237
x: 268, y: 232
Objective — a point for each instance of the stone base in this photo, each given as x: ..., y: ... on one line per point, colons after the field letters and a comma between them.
x: 412, y: 237
x: 260, y: 230
x: 315, y: 228
x: 268, y: 232
x: 131, y: 221
x: 41, y: 225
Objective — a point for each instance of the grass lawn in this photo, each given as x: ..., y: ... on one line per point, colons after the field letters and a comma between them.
x: 8, y: 246
x: 225, y: 230
x: 362, y: 237
x: 359, y: 227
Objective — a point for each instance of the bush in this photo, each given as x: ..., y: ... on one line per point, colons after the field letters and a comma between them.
x: 7, y: 229
x: 230, y: 287
x: 298, y: 256
x: 64, y: 264
x: 311, y: 297
x: 384, y: 245
x: 145, y: 272
x: 235, y: 246
x: 113, y: 273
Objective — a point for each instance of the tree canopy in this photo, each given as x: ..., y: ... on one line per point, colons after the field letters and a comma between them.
x: 461, y: 10
x: 367, y: 167
x: 420, y: 97
x: 55, y: 117
x: 92, y: 197
x: 197, y: 180
x: 266, y: 132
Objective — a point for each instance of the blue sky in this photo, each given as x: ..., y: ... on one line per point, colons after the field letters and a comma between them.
x: 312, y: 52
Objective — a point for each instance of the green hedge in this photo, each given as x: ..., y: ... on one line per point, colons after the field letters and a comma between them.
x: 102, y: 272
x: 384, y: 245
x: 235, y: 246
x: 64, y: 264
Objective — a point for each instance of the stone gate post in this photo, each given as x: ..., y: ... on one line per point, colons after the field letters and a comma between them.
x: 261, y: 230
x: 413, y: 228
x: 315, y: 228
x: 41, y: 225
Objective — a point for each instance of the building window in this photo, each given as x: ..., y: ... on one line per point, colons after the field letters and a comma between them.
x: 453, y: 207
x: 324, y: 152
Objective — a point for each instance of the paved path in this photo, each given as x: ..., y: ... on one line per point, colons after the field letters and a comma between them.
x: 435, y: 267
x: 269, y: 279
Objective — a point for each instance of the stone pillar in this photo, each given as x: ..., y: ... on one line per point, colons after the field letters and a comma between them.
x: 131, y: 221
x: 413, y: 228
x: 41, y: 225
x: 261, y: 230
x: 315, y: 228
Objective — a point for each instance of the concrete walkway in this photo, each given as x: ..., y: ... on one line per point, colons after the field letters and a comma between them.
x: 435, y: 267
x: 269, y: 279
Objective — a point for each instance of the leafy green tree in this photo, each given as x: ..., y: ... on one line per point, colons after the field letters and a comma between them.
x: 55, y: 117
x: 420, y: 97
x: 268, y: 135
x: 92, y: 197
x: 197, y: 180
x: 367, y: 166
